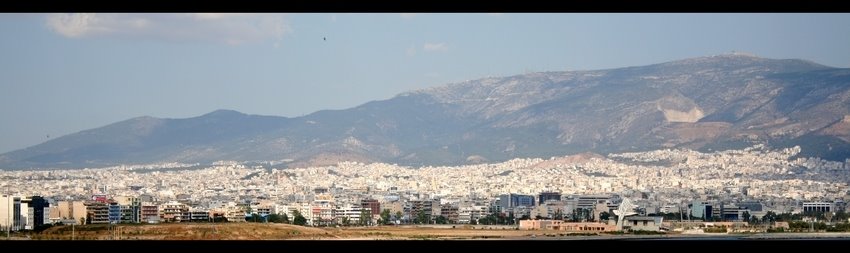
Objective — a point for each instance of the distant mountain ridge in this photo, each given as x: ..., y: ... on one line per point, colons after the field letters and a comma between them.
x: 716, y: 102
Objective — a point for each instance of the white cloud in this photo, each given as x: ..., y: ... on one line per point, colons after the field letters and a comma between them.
x: 407, y: 15
x: 435, y: 47
x: 230, y: 28
x: 73, y: 26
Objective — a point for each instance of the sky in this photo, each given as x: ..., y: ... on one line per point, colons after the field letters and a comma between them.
x: 65, y: 73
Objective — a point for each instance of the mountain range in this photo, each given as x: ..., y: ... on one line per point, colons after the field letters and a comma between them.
x: 706, y: 103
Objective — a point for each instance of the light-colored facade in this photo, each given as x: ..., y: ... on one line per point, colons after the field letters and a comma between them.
x: 97, y: 213
x: 349, y: 212
x: 149, y: 213
x: 469, y: 213
x: 560, y: 225
x: 641, y: 223
x: 172, y: 211
x: 818, y: 206
x: 22, y: 207
x: 394, y: 206
x: 9, y: 212
x: 582, y: 227
x: 69, y: 212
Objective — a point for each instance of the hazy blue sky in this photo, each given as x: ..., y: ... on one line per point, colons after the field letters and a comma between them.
x: 64, y: 73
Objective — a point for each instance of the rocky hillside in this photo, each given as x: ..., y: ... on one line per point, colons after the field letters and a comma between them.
x: 706, y: 103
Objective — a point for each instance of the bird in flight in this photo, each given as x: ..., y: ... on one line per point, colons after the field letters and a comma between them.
x: 325, y: 38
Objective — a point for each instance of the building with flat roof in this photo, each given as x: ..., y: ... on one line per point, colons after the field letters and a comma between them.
x: 544, y: 196
x: 585, y: 227
x: 197, y: 215
x: 507, y: 202
x: 450, y: 212
x: 818, y: 206
x: 37, y: 212
x: 71, y: 212
x: 565, y: 226
x: 172, y: 211
x: 702, y: 210
x: 642, y: 223
x: 10, y: 213
x: 587, y: 202
x: 372, y: 204
x: 149, y: 213
x: 97, y: 212
x: 732, y: 213
x: 752, y: 206
x: 114, y: 212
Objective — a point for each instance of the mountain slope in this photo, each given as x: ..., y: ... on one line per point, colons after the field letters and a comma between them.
x: 718, y: 102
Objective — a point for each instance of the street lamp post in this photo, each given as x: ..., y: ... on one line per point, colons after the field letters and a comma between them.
x: 830, y: 218
x: 812, y: 221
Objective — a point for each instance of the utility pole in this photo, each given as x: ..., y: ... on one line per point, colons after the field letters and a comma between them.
x: 680, y: 213
x: 8, y: 218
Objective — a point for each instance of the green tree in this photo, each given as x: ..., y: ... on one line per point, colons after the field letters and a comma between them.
x: 398, y: 215
x: 298, y: 218
x: 785, y: 216
x: 770, y: 217
x: 385, y: 216
x: 754, y: 220
x: 275, y: 218
x: 441, y: 220
x: 746, y: 216
x: 365, y: 216
x: 604, y: 216
x: 484, y: 221
x: 421, y: 217
x: 345, y: 221
x: 284, y: 218
x: 841, y: 216
x: 559, y: 215
x: 490, y: 219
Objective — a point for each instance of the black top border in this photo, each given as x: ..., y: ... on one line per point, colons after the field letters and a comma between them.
x: 444, y: 6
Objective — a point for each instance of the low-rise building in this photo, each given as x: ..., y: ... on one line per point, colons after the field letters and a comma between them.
x: 819, y: 206
x: 643, y: 223
x: 450, y: 212
x: 560, y: 225
x: 97, y: 212
x: 172, y: 211
x: 149, y: 213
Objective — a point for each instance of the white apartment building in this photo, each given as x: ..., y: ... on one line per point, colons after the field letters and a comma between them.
x: 350, y: 212
x: 10, y: 212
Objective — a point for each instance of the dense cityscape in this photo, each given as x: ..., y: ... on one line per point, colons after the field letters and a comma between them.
x: 723, y: 186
